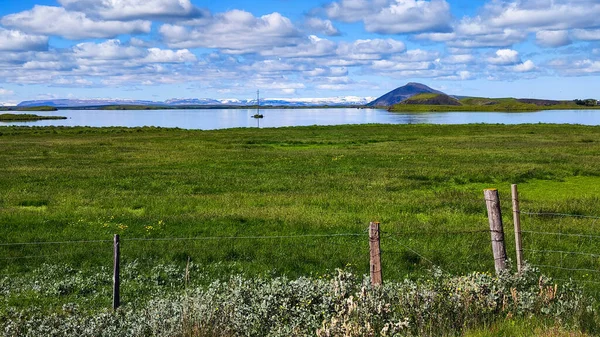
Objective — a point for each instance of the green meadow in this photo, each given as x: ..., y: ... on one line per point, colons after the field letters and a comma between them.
x: 301, y: 185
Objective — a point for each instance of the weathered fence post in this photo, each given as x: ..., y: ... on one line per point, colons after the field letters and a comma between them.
x: 517, y: 222
x: 375, y: 265
x: 492, y: 201
x: 116, y: 281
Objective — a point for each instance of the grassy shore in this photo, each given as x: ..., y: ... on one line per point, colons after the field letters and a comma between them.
x: 26, y: 117
x: 427, y: 103
x: 33, y: 108
x: 422, y: 182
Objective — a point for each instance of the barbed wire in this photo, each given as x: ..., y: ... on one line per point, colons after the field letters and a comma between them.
x: 561, y: 214
x: 575, y: 281
x: 31, y: 257
x: 182, y: 239
x: 437, y: 233
x: 563, y: 234
x: 561, y: 252
x: 248, y: 237
x: 52, y: 242
x: 418, y: 254
x: 564, y: 268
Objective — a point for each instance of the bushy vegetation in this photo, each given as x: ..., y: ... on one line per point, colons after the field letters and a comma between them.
x: 338, y: 305
x: 586, y: 102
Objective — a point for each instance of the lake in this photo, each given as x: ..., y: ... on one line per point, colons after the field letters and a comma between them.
x: 211, y: 119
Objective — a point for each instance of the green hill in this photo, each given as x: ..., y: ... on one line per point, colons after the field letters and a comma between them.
x: 431, y: 99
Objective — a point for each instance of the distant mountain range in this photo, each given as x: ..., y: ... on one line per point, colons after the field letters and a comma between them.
x: 292, y: 102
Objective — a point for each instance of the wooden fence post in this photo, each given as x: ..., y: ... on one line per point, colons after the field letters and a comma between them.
x: 517, y: 222
x: 116, y: 281
x: 375, y: 252
x: 492, y: 201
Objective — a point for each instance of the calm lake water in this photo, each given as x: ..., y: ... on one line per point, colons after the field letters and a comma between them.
x: 211, y: 119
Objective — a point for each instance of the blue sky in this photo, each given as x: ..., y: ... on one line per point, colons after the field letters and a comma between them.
x: 162, y: 49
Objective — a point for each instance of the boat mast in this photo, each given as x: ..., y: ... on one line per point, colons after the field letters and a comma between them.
x: 257, y: 101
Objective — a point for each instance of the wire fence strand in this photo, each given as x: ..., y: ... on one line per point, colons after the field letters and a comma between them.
x: 561, y: 252
x: 564, y: 268
x: 561, y: 215
x: 564, y: 234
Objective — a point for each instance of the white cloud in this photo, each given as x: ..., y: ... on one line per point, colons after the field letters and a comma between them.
x: 47, y: 65
x: 459, y: 59
x: 543, y: 14
x: 48, y: 20
x: 370, y: 49
x: 354, y: 10
x: 465, y: 37
x: 385, y: 65
x: 14, y: 40
x: 235, y: 32
x: 552, y: 38
x: 321, y: 26
x: 393, y: 16
x: 327, y: 72
x: 107, y: 50
x: 411, y: 16
x: 312, y: 47
x: 587, y: 34
x: 505, y: 57
x: 525, y: 67
x: 577, y: 67
x: 156, y: 55
x: 6, y: 92
x: 134, y: 9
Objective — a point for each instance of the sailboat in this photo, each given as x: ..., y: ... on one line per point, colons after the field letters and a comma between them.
x: 257, y: 114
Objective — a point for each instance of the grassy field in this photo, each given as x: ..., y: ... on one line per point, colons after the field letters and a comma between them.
x: 422, y: 182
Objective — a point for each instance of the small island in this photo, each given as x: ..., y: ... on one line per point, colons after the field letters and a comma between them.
x: 26, y: 117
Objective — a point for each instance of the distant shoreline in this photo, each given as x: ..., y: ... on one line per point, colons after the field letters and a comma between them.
x: 26, y: 117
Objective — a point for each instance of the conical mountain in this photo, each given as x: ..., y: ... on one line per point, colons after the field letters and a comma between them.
x: 399, y: 94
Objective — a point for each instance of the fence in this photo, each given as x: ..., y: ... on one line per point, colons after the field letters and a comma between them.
x: 546, y: 235
x: 389, y: 251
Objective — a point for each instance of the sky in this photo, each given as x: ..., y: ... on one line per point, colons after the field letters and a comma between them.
x: 164, y: 49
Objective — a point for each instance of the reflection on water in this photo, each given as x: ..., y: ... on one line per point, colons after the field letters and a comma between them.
x: 211, y: 119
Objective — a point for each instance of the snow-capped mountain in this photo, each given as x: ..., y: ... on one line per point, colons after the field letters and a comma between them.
x: 74, y: 103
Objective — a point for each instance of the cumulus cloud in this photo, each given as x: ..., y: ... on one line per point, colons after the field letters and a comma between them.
x: 552, y: 38
x: 505, y: 23
x: 393, y: 16
x: 505, y: 57
x: 317, y: 25
x: 107, y: 50
x: 525, y: 67
x: 134, y: 9
x: 354, y: 10
x: 370, y: 49
x: 156, y: 55
x: 234, y: 32
x: 14, y: 40
x: 312, y: 47
x: 543, y: 14
x: 410, y: 16
x: 49, y: 20
x: 575, y: 67
x: 587, y: 34
x: 459, y: 59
